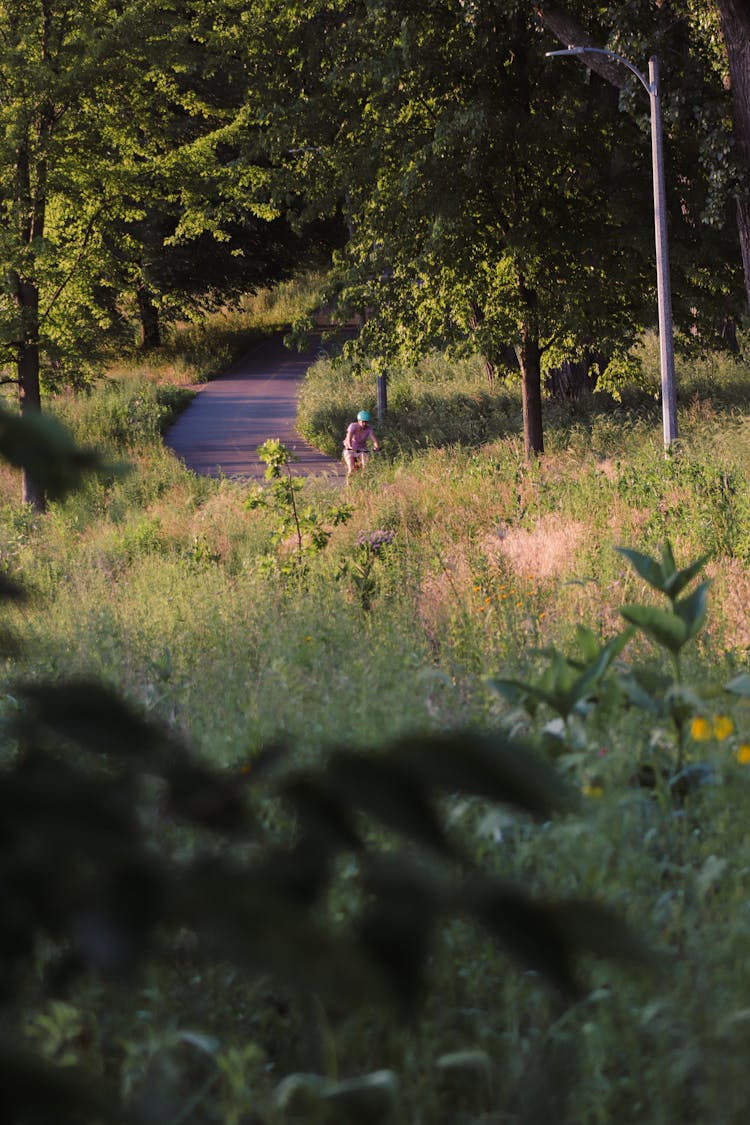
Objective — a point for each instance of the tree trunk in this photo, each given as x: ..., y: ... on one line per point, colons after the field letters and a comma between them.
x: 529, y: 359
x: 735, y: 25
x: 27, y: 300
x: 476, y: 321
x: 490, y: 370
x: 573, y: 378
x: 569, y: 30
x: 30, y: 205
x: 149, y: 317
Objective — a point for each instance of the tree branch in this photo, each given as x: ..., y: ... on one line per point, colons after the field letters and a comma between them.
x: 571, y: 34
x: 74, y: 267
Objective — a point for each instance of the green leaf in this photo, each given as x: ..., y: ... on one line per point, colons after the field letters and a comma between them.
x: 591, y: 927
x: 677, y: 583
x: 668, y: 564
x: 398, y: 926
x: 663, y: 626
x: 515, y: 692
x: 648, y: 569
x: 384, y: 787
x: 10, y: 590
x: 549, y: 937
x: 323, y: 815
x: 41, y: 445
x: 90, y: 714
x: 525, y: 929
x: 488, y: 766
x: 369, y: 1100
x: 637, y: 694
x: 740, y: 685
x: 592, y: 676
x: 587, y: 642
x: 692, y: 609
x: 663, y: 576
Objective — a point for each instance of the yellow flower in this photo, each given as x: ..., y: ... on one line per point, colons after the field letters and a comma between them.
x: 592, y: 791
x: 723, y: 727
x: 700, y: 729
x: 743, y: 754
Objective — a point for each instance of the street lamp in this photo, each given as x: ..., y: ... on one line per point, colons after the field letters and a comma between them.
x: 666, y: 343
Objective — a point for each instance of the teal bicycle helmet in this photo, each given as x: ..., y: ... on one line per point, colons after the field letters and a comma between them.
x: 363, y: 416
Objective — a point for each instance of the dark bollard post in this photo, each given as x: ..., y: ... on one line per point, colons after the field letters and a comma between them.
x: 382, y: 396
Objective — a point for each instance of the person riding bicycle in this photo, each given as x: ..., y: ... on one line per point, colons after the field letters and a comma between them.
x: 355, y: 442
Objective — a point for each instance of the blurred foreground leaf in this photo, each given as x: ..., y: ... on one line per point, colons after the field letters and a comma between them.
x: 45, y: 449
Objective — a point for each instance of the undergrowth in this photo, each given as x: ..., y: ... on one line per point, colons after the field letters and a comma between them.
x: 160, y: 583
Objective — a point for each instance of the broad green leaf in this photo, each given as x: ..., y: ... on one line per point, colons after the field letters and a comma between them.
x: 663, y: 626
x: 470, y: 1062
x: 514, y: 691
x: 638, y: 695
x: 649, y: 569
x: 591, y: 927
x: 525, y: 929
x: 587, y: 642
x: 668, y: 565
x: 384, y: 787
x: 600, y: 663
x: 663, y: 576
x: 323, y: 815
x: 677, y: 583
x: 740, y: 685
x: 95, y: 717
x: 298, y: 1096
x: 369, y: 1100
x: 398, y: 926
x: 41, y: 445
x: 692, y: 609
x: 488, y: 766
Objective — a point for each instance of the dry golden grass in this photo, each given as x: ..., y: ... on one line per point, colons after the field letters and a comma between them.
x: 545, y: 551
x: 729, y: 604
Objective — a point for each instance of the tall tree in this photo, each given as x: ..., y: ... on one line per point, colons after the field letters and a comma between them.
x: 700, y: 25
x: 735, y: 23
x: 127, y: 158
x: 480, y: 210
x: 65, y: 67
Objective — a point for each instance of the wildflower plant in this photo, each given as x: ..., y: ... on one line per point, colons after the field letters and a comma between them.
x: 569, y: 686
x: 670, y: 629
x: 308, y: 529
x: 362, y: 567
x: 597, y: 682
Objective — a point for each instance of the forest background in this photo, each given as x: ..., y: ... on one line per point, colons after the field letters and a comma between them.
x: 208, y: 786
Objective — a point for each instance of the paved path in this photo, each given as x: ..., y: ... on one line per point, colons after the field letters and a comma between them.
x: 231, y: 416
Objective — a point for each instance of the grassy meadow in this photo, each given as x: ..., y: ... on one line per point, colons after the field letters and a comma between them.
x: 200, y: 609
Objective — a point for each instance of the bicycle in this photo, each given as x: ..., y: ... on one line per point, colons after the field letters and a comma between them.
x: 358, y: 458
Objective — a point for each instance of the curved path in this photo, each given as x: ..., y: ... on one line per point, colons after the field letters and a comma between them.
x: 219, y: 433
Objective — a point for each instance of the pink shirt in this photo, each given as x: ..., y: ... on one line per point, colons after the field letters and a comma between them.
x: 357, y: 436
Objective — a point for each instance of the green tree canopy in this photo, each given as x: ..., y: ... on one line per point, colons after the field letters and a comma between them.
x: 126, y: 138
x: 495, y: 199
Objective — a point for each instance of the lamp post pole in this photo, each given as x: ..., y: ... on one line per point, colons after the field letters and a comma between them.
x: 663, y: 288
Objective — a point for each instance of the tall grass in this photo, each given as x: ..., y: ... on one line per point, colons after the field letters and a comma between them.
x: 167, y: 586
